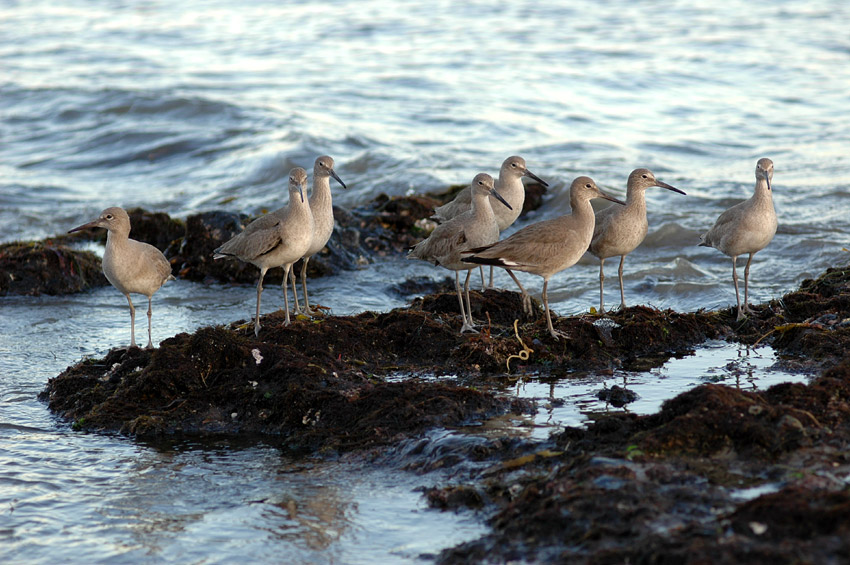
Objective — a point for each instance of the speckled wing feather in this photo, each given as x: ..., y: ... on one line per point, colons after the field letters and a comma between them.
x: 460, y: 204
x: 248, y: 245
x: 727, y: 218
x: 529, y: 249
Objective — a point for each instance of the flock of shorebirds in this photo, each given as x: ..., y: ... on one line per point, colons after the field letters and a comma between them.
x: 467, y: 236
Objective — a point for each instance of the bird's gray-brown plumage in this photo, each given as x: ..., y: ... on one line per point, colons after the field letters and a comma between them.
x: 746, y: 228
x: 509, y: 185
x: 130, y: 266
x: 547, y: 247
x: 473, y: 228
x: 321, y: 207
x: 620, y: 229
x: 277, y: 239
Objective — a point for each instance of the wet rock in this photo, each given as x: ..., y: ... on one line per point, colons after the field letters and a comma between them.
x: 534, y: 193
x: 34, y: 268
x: 677, y: 486
x: 393, y: 225
x: 715, y: 419
x: 617, y: 396
x: 423, y: 285
x: 662, y: 488
x: 489, y: 306
x: 192, y: 255
x: 313, y: 385
x: 795, y: 513
x: 155, y: 228
x: 454, y: 497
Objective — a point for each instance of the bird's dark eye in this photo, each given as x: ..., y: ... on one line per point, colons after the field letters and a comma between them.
x: 587, y: 186
x: 109, y: 216
x: 644, y: 176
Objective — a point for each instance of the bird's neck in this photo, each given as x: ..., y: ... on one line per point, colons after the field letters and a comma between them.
x: 509, y: 181
x: 116, y: 238
x: 321, y: 191
x: 762, y: 192
x: 636, y: 200
x: 297, y: 207
x: 481, y: 207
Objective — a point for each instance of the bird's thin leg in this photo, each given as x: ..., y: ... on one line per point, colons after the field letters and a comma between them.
x: 307, y: 309
x: 470, y: 325
x: 601, y: 286
x: 622, y: 292
x: 259, y: 292
x: 483, y: 280
x: 491, y: 277
x: 132, y: 321
x: 150, y: 343
x: 294, y: 290
x: 465, y: 327
x: 737, y: 294
x: 557, y: 334
x: 747, y: 285
x: 287, y: 269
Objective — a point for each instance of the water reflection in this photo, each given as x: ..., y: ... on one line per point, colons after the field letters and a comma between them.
x: 575, y: 400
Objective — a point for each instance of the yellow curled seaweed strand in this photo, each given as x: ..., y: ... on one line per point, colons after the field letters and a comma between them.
x: 522, y: 355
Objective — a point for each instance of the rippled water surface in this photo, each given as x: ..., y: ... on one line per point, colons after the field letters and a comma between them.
x: 192, y: 106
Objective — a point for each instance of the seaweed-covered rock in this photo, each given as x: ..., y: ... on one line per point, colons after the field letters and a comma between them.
x: 34, y: 268
x: 671, y: 487
x: 306, y: 387
x: 192, y: 255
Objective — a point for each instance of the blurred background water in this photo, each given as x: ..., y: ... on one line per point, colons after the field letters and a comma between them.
x: 191, y: 106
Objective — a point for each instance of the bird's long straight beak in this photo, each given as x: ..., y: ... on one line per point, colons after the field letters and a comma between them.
x: 668, y: 187
x: 611, y: 198
x: 531, y: 175
x: 500, y: 199
x: 92, y: 224
x: 339, y: 180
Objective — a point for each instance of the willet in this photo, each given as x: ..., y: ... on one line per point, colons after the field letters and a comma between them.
x: 130, y: 265
x: 509, y: 185
x: 619, y: 230
x: 746, y: 228
x: 547, y: 247
x: 473, y: 228
x: 277, y: 239
x: 321, y: 206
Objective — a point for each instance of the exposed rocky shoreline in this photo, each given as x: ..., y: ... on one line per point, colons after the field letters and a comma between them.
x: 664, y: 488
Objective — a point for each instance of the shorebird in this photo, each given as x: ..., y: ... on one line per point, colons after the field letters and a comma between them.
x: 509, y: 185
x: 547, y: 247
x: 473, y: 228
x: 619, y: 230
x: 130, y: 265
x: 277, y: 239
x: 746, y: 228
x: 321, y: 206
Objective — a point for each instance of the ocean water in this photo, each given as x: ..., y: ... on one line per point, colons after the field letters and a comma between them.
x: 192, y: 106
